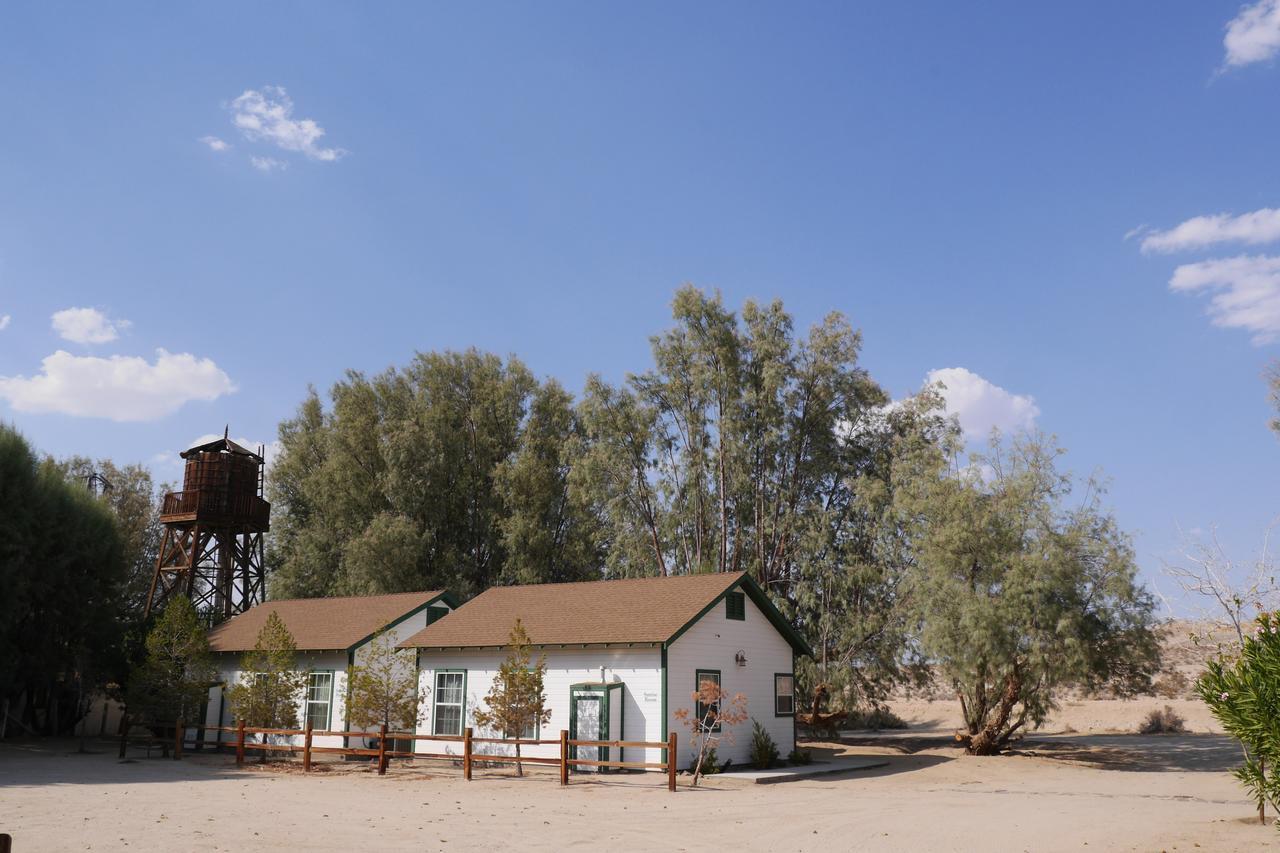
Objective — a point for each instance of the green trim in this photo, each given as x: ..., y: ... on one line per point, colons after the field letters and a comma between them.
x: 664, y: 693
x: 761, y: 600
x: 333, y: 677
x: 446, y: 597
x: 698, y: 672
x: 735, y: 606
x: 792, y: 676
x: 435, y: 613
x: 435, y: 692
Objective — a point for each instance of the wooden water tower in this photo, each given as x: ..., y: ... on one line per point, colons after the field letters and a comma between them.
x: 211, y: 551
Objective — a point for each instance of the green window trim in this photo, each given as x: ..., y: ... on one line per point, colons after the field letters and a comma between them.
x: 778, y: 695
x: 313, y: 704
x: 735, y: 606
x: 461, y: 705
x: 699, y: 708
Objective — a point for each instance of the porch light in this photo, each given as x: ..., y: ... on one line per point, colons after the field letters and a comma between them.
x: 740, y: 658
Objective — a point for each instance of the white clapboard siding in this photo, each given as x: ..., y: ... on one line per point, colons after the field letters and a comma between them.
x: 711, y: 643
x: 640, y: 669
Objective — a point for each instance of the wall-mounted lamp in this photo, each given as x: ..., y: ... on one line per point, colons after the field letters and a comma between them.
x: 740, y: 658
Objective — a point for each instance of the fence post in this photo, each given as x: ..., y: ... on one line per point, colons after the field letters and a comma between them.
x: 382, y: 750
x: 179, y: 735
x: 671, y: 762
x: 124, y: 734
x: 306, y: 749
x: 240, y: 743
x: 466, y: 753
x: 564, y: 757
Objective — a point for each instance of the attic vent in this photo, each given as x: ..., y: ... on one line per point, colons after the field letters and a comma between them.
x: 436, y: 613
x: 735, y: 606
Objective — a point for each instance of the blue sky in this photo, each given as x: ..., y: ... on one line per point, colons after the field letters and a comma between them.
x: 538, y: 179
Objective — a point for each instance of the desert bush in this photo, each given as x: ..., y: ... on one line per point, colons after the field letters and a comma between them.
x: 1163, y: 721
x: 800, y: 756
x: 764, y: 751
x: 1171, y: 684
x: 875, y: 719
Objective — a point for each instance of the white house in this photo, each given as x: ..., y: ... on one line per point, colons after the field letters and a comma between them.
x: 331, y: 634
x: 622, y: 657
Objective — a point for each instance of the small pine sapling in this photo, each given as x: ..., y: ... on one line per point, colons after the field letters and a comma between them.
x: 270, y: 690
x: 516, y: 702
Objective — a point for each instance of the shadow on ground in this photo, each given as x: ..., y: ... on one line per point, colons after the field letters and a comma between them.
x: 1204, y: 753
x: 59, y: 762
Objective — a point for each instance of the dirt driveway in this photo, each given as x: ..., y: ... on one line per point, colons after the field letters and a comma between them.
x: 1101, y: 792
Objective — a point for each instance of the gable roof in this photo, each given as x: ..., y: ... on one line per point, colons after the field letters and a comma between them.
x: 633, y: 610
x: 323, y: 623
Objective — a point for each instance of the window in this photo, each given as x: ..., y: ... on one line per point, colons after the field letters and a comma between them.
x: 784, y: 695
x: 436, y: 613
x: 319, y: 699
x: 735, y: 606
x: 704, y: 675
x: 449, y: 702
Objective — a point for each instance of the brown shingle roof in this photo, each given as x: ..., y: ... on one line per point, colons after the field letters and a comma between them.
x: 320, y: 623
x: 640, y: 610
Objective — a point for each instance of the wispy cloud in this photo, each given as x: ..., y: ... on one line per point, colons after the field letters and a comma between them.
x: 981, y: 405
x: 267, y: 164
x: 1246, y: 292
x: 1253, y: 35
x: 1255, y: 228
x: 266, y: 115
x: 86, y: 326
x: 119, y: 388
x: 4, y: 321
x: 216, y: 144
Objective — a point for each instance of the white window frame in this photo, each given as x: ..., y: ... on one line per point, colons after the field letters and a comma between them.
x: 436, y: 704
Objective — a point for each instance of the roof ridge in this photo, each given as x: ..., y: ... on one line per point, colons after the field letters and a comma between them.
x: 347, y: 597
x: 726, y: 575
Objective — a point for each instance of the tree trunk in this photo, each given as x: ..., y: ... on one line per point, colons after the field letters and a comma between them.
x: 519, y: 766
x: 994, y: 734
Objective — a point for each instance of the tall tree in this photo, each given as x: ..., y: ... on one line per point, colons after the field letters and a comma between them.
x: 1021, y: 593
x: 62, y: 615
x: 447, y: 472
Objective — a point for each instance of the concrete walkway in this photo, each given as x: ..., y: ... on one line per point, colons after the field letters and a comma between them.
x: 805, y: 771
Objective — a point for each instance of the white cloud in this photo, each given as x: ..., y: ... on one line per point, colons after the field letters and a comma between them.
x: 1260, y: 226
x: 1246, y: 292
x: 119, y: 388
x: 1253, y: 35
x: 267, y: 116
x: 86, y: 326
x: 267, y: 164
x: 215, y: 144
x: 981, y: 405
x: 4, y: 321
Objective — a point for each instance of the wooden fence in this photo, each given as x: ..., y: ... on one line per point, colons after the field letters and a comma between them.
x: 469, y: 757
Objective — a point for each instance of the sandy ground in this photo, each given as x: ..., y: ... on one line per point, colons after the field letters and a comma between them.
x: 1065, y: 792
x: 1090, y: 716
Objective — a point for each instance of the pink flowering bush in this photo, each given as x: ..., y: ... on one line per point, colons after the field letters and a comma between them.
x: 1244, y: 695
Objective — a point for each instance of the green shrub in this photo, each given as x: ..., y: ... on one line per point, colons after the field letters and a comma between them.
x: 710, y: 764
x: 764, y: 752
x: 1242, y: 693
x: 1166, y: 721
x: 800, y: 756
x: 878, y: 717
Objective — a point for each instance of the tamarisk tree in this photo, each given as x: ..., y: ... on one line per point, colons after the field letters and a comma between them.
x: 1019, y: 593
x: 174, y: 680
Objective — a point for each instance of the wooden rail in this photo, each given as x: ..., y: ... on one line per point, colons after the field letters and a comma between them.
x: 468, y: 756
